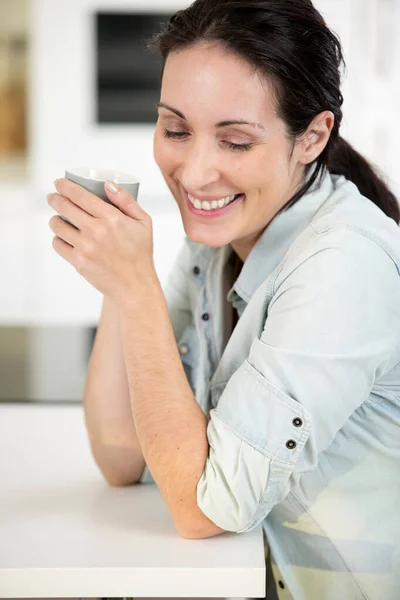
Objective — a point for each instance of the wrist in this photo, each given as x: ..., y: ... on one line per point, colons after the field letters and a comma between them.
x: 145, y: 290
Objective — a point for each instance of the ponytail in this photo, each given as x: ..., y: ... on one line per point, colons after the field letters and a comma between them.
x: 345, y: 160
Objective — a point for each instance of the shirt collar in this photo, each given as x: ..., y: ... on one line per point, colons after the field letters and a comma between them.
x: 277, y: 239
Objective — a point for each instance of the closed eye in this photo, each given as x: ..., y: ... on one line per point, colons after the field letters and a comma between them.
x: 239, y: 147
x: 178, y: 135
x: 181, y: 135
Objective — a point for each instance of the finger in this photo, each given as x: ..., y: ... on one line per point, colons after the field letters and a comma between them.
x: 91, y: 204
x: 65, y: 231
x: 63, y: 249
x: 68, y: 209
x: 124, y: 201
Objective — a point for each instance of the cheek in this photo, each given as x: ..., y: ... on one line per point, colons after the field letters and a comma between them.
x: 164, y: 154
x: 158, y: 148
x: 271, y: 169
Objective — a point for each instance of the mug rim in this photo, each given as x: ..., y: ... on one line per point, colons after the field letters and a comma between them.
x: 101, y: 175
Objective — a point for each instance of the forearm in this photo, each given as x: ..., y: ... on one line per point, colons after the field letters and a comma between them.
x: 108, y: 413
x: 171, y: 427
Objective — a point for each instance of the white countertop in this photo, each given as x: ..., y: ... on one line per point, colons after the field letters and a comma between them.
x: 65, y: 532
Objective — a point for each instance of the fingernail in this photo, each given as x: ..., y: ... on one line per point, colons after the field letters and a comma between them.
x: 110, y: 185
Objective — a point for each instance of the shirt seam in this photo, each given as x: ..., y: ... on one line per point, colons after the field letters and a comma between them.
x: 395, y: 367
x: 298, y: 242
x: 367, y: 235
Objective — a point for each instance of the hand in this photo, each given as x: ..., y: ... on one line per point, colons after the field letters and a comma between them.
x: 111, y: 246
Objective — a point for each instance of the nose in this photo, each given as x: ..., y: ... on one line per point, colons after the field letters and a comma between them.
x: 199, y: 167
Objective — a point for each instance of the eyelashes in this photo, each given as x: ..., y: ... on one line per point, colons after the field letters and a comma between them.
x: 176, y: 135
x: 182, y: 135
x: 240, y: 147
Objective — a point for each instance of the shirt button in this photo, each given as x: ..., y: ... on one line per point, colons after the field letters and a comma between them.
x: 297, y: 422
x: 281, y: 584
x: 291, y: 444
x: 184, y: 349
x: 196, y: 271
x: 205, y: 317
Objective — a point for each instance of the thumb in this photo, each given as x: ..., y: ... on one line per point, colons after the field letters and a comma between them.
x: 123, y: 200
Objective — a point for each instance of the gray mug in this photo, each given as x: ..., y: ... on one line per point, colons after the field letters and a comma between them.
x: 93, y: 180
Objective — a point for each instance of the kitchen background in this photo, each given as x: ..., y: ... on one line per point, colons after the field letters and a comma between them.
x: 78, y: 88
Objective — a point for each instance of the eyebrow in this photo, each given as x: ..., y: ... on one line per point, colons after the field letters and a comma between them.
x: 221, y: 124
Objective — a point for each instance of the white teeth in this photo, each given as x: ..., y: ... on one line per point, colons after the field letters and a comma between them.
x: 213, y: 205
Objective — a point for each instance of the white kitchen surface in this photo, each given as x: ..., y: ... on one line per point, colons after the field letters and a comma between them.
x: 65, y: 532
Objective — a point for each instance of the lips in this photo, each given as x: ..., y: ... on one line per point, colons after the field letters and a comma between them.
x: 216, y: 212
x: 211, y: 204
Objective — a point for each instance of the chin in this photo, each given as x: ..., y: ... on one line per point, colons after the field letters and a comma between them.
x: 213, y: 239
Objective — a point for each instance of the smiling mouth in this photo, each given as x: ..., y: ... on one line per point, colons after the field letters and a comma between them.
x: 212, y: 204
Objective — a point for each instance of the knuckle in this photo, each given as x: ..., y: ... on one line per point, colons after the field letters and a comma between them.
x: 88, y: 248
x: 59, y: 203
x: 127, y: 200
x: 79, y: 194
x: 148, y: 222
x: 80, y: 262
x: 61, y: 184
x: 56, y: 223
x: 58, y: 198
x: 114, y: 218
x: 99, y: 232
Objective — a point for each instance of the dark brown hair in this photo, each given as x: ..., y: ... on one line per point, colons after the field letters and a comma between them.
x: 288, y: 42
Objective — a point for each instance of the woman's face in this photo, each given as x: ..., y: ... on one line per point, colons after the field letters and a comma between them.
x: 222, y: 149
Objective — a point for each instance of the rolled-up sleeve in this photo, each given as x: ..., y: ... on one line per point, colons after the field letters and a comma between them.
x: 332, y: 327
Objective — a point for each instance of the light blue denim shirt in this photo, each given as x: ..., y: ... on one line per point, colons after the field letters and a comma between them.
x: 303, y: 398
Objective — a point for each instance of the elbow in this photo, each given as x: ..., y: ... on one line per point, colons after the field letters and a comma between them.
x: 116, y: 482
x: 114, y: 478
x: 118, y: 467
x: 200, y: 534
x: 118, y: 477
x: 191, y: 535
x: 198, y: 527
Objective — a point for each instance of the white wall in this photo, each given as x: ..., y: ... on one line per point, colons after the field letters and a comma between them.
x: 63, y: 131
x: 370, y: 35
x: 62, y: 113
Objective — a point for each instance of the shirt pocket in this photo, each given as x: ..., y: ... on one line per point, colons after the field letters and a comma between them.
x: 188, y: 346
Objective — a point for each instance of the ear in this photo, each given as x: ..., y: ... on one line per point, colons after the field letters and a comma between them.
x: 314, y: 140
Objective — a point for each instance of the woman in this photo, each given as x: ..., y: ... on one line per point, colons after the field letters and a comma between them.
x: 280, y: 403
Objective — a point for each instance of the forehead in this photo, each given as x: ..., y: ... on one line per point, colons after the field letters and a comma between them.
x: 208, y: 79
